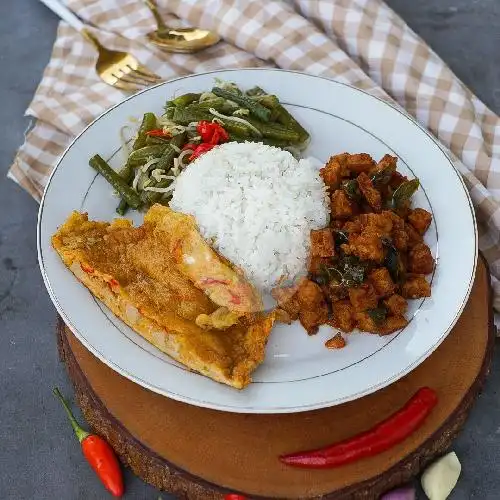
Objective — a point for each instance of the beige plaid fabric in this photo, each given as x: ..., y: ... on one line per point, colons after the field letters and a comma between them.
x: 361, y: 42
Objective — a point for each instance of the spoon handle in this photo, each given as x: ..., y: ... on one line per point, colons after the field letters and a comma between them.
x: 154, y: 10
x: 64, y: 13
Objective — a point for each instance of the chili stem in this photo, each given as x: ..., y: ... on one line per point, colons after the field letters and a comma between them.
x: 80, y: 433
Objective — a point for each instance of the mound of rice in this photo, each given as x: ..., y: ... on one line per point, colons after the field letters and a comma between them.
x: 257, y: 204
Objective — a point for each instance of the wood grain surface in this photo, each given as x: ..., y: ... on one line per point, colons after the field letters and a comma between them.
x: 196, y: 453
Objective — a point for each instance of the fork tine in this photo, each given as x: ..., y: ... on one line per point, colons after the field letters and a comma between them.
x: 125, y: 85
x: 146, y: 71
x: 127, y: 75
x: 131, y: 77
x: 145, y: 76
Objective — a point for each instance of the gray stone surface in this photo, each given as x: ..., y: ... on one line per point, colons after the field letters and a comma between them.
x: 38, y: 456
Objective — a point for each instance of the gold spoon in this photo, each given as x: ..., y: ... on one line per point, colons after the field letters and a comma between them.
x: 184, y: 40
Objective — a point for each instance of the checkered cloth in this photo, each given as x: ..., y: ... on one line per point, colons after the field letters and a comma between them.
x: 361, y: 42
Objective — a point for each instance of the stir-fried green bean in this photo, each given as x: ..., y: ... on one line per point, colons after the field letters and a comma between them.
x: 217, y: 103
x: 183, y: 116
x: 140, y: 156
x: 171, y: 151
x: 169, y: 112
x: 122, y: 207
x: 119, y: 184
x: 256, y: 91
x: 237, y: 128
x: 156, y: 140
x: 255, y: 108
x: 286, y: 118
x: 279, y: 112
x: 148, y: 123
x: 152, y: 197
x: 185, y: 99
x: 275, y: 131
x: 254, y: 116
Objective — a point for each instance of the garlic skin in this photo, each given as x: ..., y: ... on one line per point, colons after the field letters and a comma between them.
x: 439, y: 479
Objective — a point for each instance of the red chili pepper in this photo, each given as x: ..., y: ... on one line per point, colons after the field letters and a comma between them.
x: 383, y: 436
x: 212, y: 133
x: 202, y: 148
x: 234, y: 496
x: 98, y: 453
x: 158, y: 132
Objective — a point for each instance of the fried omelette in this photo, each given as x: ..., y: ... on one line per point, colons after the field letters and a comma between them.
x: 133, y: 272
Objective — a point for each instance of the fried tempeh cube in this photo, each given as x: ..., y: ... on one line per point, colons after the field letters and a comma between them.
x: 336, y: 342
x: 400, y: 239
x: 382, y: 281
x: 414, y: 237
x: 313, y: 307
x: 322, y: 244
x: 366, y: 246
x: 415, y: 287
x: 352, y: 226
x: 311, y: 320
x: 343, y: 315
x: 396, y: 305
x: 371, y: 194
x: 365, y: 322
x: 316, y: 264
x: 287, y: 299
x: 363, y: 297
x: 331, y: 173
x: 341, y: 207
x: 396, y: 180
x: 381, y: 223
x: 361, y: 162
x: 391, y: 324
x: 420, y: 219
x: 420, y: 259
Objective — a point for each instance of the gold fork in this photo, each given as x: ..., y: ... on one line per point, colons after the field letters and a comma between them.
x: 118, y: 69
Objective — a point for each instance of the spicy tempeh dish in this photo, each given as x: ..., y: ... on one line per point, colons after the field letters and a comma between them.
x: 371, y: 259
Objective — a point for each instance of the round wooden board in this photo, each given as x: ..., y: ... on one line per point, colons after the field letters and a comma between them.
x: 197, y: 453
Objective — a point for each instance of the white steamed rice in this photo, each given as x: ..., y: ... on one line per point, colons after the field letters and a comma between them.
x: 257, y: 204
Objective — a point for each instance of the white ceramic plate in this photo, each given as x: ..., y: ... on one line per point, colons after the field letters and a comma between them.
x: 299, y: 372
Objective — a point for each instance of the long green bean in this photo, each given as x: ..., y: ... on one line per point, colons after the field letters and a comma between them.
x: 216, y: 103
x: 255, y: 108
x: 183, y: 116
x: 122, y: 207
x: 169, y: 112
x: 167, y: 158
x: 185, y: 99
x: 148, y: 123
x: 275, y: 131
x: 118, y: 183
x: 157, y: 141
x: 140, y: 156
x: 165, y: 163
x: 237, y: 128
x: 151, y: 197
x: 286, y: 118
x: 256, y: 91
